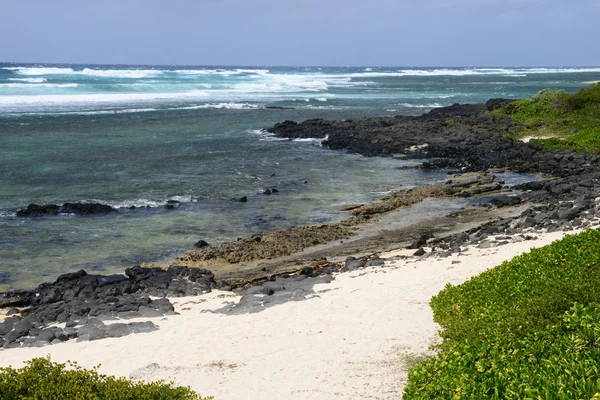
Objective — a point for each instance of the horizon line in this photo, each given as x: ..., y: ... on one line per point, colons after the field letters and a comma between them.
x: 299, y: 66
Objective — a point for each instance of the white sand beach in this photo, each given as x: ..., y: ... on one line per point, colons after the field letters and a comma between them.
x: 353, y: 339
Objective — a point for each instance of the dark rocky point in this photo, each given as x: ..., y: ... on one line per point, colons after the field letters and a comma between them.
x: 461, y: 136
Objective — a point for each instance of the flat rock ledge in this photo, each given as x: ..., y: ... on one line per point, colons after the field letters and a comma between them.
x: 284, y: 242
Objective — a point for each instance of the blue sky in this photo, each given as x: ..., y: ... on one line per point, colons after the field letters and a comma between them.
x: 303, y: 32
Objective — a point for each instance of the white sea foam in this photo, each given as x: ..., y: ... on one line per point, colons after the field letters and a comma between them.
x: 108, y: 112
x: 268, y: 136
x: 97, y: 98
x: 231, y: 106
x: 30, y: 80
x: 265, y: 135
x: 242, y: 90
x: 295, y: 83
x: 97, y: 112
x: 138, y: 203
x: 38, y: 85
x: 223, y: 72
x: 317, y: 141
x: 121, y: 73
x: 472, y: 71
x: 41, y: 70
x: 183, y: 198
x: 105, y: 73
x: 432, y: 105
x: 142, y: 203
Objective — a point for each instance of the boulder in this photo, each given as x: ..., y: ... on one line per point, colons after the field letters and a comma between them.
x: 86, y: 208
x: 35, y: 210
x: 201, y: 244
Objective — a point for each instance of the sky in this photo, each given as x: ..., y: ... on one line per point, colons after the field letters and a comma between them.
x: 302, y: 32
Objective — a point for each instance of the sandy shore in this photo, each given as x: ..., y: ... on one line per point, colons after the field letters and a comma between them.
x: 354, y: 339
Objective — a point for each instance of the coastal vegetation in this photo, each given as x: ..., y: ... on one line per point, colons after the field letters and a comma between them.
x: 558, y: 120
x: 44, y: 379
x: 529, y: 328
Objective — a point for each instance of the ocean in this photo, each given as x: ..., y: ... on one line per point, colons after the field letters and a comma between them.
x: 143, y: 135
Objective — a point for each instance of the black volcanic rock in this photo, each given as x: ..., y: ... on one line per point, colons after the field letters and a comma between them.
x: 78, y: 298
x: 461, y: 136
x: 35, y: 210
x: 201, y: 244
x: 86, y: 208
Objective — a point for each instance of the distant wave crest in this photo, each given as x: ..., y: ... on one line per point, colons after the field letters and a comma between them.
x: 106, y: 73
x: 38, y: 85
x: 29, y: 80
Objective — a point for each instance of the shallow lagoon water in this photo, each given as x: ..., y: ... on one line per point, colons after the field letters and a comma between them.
x: 141, y: 136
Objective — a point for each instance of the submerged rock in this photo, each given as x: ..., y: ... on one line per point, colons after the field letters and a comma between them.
x: 6, y: 277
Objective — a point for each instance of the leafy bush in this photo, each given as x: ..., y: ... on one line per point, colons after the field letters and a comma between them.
x: 506, y: 334
x: 585, y: 97
x: 545, y: 103
x: 42, y: 379
x: 571, y: 120
x: 560, y: 362
x: 524, y: 294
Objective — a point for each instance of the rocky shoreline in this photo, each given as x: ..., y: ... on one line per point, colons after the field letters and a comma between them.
x: 465, y: 137
x: 276, y: 267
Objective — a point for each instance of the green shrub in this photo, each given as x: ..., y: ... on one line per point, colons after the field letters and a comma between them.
x: 524, y: 294
x: 42, y: 379
x: 571, y: 120
x: 560, y: 362
x: 546, y: 103
x: 585, y: 97
x: 558, y: 144
x: 506, y: 334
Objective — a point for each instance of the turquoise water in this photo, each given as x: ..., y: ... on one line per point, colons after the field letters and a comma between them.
x: 142, y: 135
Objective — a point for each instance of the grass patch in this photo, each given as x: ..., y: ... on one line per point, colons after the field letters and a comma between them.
x: 573, y: 120
x: 529, y: 328
x: 44, y: 380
